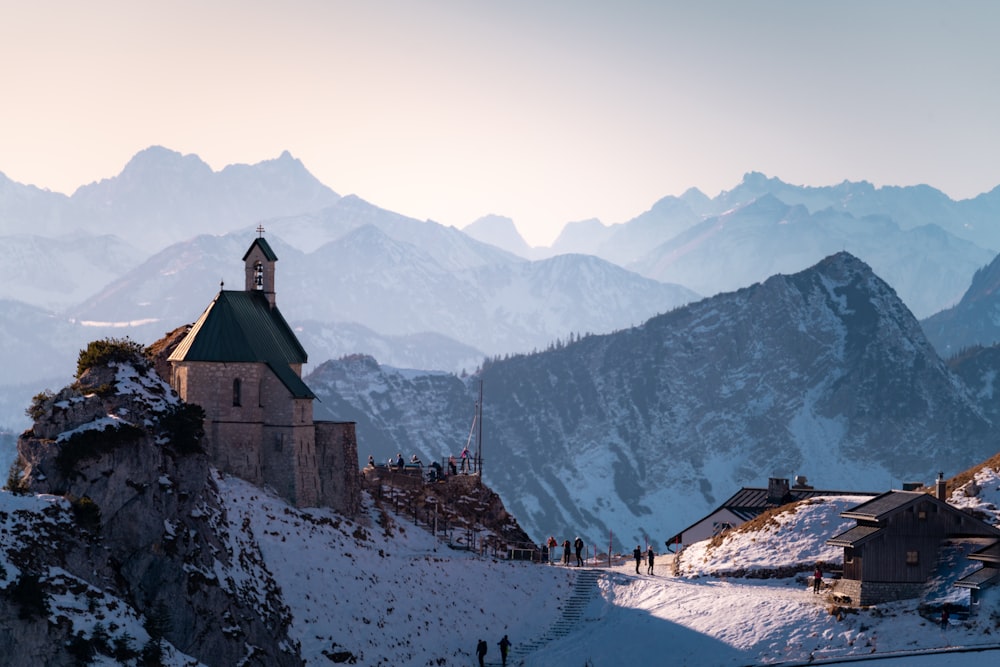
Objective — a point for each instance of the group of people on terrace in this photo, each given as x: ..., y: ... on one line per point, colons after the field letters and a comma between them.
x: 464, y: 464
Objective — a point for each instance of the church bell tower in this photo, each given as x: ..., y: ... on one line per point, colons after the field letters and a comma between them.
x: 259, y: 266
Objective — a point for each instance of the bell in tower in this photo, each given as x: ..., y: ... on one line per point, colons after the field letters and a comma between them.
x: 258, y: 276
x: 259, y: 261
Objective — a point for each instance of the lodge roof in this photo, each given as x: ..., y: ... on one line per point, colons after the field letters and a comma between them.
x: 853, y: 537
x: 240, y: 326
x: 750, y: 502
x: 990, y: 554
x: 978, y: 579
x: 875, y: 511
x: 883, y: 505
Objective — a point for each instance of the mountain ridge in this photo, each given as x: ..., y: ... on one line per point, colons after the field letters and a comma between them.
x: 811, y: 373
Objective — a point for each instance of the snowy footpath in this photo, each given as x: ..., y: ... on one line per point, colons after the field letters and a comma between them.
x: 659, y: 619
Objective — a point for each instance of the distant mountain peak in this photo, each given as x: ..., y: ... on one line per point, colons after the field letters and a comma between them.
x: 158, y: 157
x: 499, y: 231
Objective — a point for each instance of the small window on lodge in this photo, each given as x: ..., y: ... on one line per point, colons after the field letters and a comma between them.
x: 236, y: 392
x: 922, y: 515
x: 913, y: 557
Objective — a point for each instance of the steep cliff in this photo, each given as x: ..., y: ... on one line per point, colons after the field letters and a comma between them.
x: 134, y: 529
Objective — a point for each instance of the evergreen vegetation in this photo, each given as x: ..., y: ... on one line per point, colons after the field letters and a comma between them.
x: 15, y: 478
x: 102, y: 352
x: 85, y: 649
x: 29, y: 597
x: 184, y: 425
x: 38, y: 402
x: 86, y: 513
x: 157, y: 625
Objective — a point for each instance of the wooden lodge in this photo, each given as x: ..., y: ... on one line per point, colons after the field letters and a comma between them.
x: 893, y: 549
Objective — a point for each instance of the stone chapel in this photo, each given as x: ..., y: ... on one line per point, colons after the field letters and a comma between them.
x: 242, y: 363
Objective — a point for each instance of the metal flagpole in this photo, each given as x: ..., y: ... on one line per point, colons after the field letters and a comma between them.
x: 479, y: 445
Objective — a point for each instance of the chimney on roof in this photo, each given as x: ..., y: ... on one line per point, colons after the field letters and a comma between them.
x: 801, y: 482
x: 941, y: 487
x: 777, y: 490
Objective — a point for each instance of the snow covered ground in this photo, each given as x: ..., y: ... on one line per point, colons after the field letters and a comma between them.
x: 405, y: 598
x: 383, y: 591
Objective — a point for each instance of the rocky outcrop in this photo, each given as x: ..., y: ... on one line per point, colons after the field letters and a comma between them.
x: 143, y: 525
x: 454, y: 504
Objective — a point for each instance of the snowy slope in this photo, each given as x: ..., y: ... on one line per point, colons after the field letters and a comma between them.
x: 397, y: 596
x: 451, y: 599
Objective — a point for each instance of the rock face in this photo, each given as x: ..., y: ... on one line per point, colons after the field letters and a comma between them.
x: 823, y: 373
x: 143, y: 525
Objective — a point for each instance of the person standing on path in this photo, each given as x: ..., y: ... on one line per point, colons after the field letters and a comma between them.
x: 504, y: 645
x: 637, y: 554
x: 481, y: 651
x: 649, y: 557
x: 578, y: 544
x: 565, y: 552
x: 817, y: 579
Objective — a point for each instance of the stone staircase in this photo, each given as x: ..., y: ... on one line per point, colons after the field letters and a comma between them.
x: 572, y: 612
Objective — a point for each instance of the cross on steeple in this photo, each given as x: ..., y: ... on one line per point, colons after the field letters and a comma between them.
x: 260, y: 231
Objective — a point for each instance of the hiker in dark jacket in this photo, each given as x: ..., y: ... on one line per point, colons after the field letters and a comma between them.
x: 504, y: 645
x: 578, y: 543
x: 649, y: 555
x: 565, y: 552
x: 481, y: 651
x: 637, y: 554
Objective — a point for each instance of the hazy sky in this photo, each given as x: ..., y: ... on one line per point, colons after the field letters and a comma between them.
x: 543, y: 111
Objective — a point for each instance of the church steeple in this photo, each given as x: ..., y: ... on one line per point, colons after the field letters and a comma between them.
x: 259, y: 265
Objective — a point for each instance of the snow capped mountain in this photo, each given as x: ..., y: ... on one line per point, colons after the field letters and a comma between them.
x: 26, y: 207
x: 61, y: 272
x: 909, y: 207
x: 448, y: 246
x: 975, y: 320
x: 331, y: 340
x: 667, y: 218
x: 395, y: 288
x: 768, y: 236
x: 162, y: 197
x: 29, y: 356
x: 824, y: 373
x: 581, y: 237
x: 499, y: 231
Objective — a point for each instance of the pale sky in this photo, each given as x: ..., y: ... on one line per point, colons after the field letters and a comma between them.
x: 543, y: 111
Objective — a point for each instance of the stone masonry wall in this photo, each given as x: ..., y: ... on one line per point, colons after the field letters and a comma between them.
x: 269, y: 439
x: 863, y: 594
x: 337, y: 456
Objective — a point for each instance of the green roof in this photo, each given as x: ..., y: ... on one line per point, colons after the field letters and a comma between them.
x: 242, y: 326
